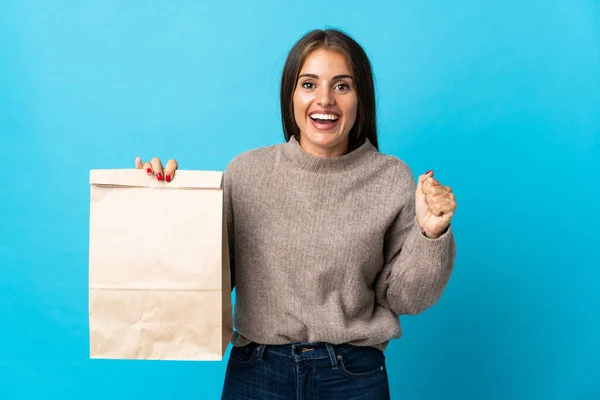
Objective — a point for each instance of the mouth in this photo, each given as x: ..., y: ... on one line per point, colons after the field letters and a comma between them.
x: 324, y: 121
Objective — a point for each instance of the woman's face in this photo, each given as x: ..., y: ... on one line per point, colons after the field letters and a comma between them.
x: 325, y: 103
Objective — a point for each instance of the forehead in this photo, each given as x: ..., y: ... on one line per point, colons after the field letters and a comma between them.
x: 325, y: 62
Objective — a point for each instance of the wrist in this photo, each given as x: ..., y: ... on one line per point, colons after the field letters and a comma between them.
x: 429, y: 235
x: 433, y: 235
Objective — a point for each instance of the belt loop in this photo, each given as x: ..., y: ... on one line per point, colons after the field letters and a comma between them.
x: 261, y: 350
x: 332, y: 356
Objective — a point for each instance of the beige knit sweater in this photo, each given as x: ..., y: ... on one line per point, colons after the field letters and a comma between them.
x: 328, y: 250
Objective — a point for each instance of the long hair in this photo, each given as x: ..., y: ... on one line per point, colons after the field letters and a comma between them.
x: 365, y: 126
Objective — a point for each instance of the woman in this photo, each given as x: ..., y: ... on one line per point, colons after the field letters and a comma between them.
x: 330, y: 240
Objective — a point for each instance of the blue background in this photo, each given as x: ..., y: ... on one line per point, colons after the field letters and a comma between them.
x: 502, y: 99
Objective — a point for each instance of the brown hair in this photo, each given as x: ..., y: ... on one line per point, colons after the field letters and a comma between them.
x: 365, y: 126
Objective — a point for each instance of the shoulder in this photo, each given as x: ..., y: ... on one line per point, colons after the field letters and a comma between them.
x: 392, y: 169
x: 251, y: 159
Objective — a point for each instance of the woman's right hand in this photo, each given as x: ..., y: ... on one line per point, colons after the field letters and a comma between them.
x: 155, y: 168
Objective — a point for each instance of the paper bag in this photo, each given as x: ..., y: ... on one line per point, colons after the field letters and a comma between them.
x: 159, y: 278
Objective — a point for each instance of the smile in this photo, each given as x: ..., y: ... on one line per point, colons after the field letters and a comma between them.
x: 324, y: 122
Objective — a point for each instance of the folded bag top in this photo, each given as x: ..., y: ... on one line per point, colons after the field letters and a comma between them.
x: 184, y: 179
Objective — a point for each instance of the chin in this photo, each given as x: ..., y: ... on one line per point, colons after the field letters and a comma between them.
x: 326, y: 138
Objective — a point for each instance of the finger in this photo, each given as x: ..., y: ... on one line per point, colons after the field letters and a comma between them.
x: 432, y: 186
x: 148, y: 168
x: 446, y: 207
x: 437, y: 208
x: 170, y: 170
x: 157, y: 168
x: 442, y: 204
x: 423, y: 178
x: 433, y: 189
x: 138, y: 163
x: 444, y: 196
x: 434, y: 207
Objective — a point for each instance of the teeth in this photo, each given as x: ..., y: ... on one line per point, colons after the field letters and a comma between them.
x: 324, y: 116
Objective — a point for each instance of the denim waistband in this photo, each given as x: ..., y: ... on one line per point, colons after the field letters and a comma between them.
x: 305, y: 351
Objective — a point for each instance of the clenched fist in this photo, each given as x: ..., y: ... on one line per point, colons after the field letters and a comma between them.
x: 434, y: 205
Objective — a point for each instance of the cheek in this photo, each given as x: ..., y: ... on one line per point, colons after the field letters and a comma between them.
x: 299, y: 109
x: 351, y: 111
x: 354, y: 112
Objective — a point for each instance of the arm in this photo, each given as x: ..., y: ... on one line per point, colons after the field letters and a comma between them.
x: 416, y: 268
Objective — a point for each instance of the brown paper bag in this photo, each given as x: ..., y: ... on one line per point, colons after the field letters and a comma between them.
x: 159, y: 278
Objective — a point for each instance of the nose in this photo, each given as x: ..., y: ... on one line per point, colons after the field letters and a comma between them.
x: 325, y: 96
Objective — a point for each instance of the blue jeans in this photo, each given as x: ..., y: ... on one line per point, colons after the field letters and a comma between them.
x: 305, y: 371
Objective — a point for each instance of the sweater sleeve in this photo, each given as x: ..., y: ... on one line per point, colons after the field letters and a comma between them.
x: 416, y: 268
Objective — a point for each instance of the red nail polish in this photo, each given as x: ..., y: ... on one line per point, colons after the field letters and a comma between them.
x: 149, y: 170
x: 168, y: 178
x: 429, y: 172
x: 159, y: 176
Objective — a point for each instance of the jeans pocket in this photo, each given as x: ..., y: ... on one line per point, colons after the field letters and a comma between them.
x: 245, y: 355
x: 361, y: 362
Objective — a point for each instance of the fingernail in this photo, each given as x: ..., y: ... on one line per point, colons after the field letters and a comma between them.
x: 159, y: 176
x: 168, y: 178
x: 149, y: 170
x: 426, y: 173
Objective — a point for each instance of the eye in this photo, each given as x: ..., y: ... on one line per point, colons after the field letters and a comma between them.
x: 308, y: 85
x: 342, y: 86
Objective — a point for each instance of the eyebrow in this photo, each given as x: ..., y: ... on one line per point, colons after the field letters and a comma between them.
x: 317, y: 77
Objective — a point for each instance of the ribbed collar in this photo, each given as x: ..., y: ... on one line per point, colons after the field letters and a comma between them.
x: 301, y: 158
